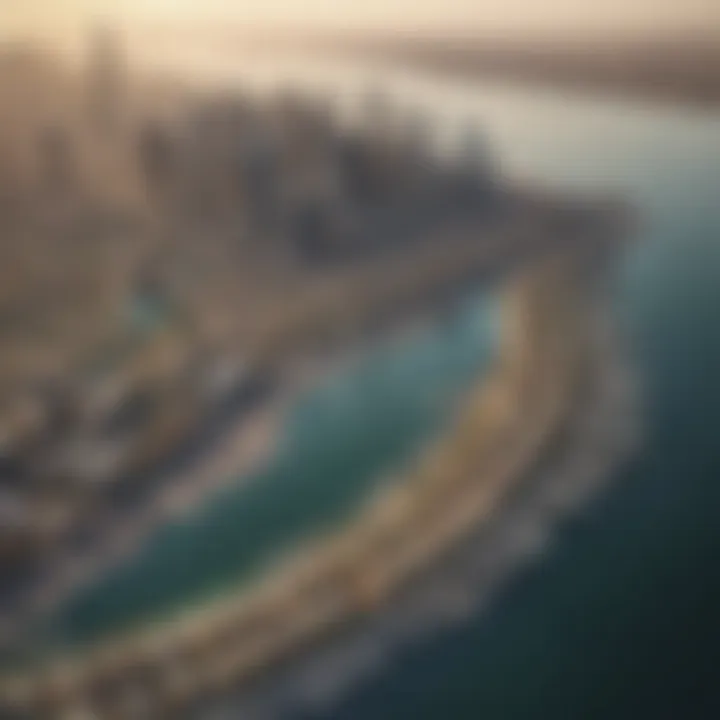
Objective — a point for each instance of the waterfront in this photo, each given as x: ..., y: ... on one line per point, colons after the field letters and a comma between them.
x: 380, y: 406
x: 619, y: 620
x: 667, y: 164
x: 553, y: 366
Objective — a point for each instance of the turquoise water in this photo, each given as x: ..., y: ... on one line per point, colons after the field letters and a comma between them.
x: 362, y: 422
x: 620, y: 619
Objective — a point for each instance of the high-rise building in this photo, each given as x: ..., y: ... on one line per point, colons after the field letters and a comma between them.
x: 106, y: 79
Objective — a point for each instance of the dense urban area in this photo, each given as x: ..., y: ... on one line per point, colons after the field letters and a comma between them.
x: 168, y: 254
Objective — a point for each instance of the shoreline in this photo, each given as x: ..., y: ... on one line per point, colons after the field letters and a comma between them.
x: 322, y: 591
x: 520, y: 534
x: 241, y: 449
x: 314, y: 341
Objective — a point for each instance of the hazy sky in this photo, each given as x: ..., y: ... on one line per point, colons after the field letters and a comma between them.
x: 483, y: 16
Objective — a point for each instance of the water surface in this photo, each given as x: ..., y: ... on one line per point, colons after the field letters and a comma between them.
x: 620, y: 619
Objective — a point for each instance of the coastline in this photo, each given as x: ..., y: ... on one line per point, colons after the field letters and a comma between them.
x: 246, y: 443
x: 322, y: 583
x: 475, y: 573
x: 243, y: 446
x: 290, y: 356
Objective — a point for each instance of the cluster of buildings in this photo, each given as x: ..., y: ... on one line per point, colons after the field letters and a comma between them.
x: 148, y: 250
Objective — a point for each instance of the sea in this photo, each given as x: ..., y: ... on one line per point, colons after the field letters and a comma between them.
x: 619, y: 618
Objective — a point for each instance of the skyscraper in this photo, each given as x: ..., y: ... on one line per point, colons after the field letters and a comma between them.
x: 106, y: 79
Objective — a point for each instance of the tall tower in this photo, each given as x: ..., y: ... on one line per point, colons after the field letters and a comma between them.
x: 106, y: 80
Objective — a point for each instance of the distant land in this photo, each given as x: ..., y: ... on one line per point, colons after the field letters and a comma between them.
x: 675, y: 69
x: 668, y: 70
